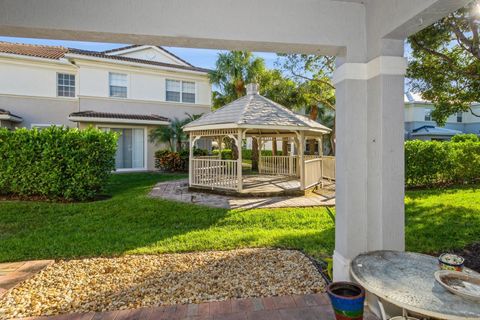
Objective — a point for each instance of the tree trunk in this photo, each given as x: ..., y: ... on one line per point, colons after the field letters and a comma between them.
x: 254, y: 154
x: 313, y: 116
x: 274, y: 146
x: 179, y: 145
x: 311, y: 146
x: 284, y: 146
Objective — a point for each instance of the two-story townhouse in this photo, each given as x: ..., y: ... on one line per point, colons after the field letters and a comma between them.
x: 419, y: 123
x: 130, y: 90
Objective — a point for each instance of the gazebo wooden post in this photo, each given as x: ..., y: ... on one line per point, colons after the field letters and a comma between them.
x: 220, y: 140
x: 239, y: 160
x: 301, y: 160
x: 190, y: 159
x: 260, y: 145
x: 320, y: 146
x: 290, y: 159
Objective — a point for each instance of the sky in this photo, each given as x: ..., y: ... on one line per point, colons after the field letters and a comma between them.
x: 204, y: 58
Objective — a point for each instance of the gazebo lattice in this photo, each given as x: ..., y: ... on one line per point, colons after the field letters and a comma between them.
x: 258, y: 117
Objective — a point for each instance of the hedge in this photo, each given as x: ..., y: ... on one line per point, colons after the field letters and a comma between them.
x: 429, y: 163
x: 247, y: 153
x: 56, y: 163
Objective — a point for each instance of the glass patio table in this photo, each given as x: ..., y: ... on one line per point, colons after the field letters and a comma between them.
x: 406, y: 280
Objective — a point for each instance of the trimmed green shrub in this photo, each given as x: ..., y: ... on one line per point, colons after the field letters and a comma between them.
x: 465, y: 137
x: 429, y: 163
x: 171, y: 161
x: 226, y: 154
x: 56, y: 163
x: 247, y: 153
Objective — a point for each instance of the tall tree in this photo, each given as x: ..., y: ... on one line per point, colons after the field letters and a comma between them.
x: 445, y: 62
x: 233, y: 71
x: 313, y: 75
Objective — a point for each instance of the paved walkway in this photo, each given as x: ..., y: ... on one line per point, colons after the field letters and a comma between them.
x: 13, y: 273
x: 178, y: 191
x: 301, y: 307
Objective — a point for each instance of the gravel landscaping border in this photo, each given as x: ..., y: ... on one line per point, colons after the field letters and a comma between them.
x: 133, y: 281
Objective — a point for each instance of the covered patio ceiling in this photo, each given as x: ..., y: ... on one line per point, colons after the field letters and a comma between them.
x: 366, y: 36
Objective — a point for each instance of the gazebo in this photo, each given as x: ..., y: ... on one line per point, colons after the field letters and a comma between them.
x: 258, y: 117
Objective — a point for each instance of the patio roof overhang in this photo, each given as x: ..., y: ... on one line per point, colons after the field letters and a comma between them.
x: 7, y: 116
x: 367, y: 36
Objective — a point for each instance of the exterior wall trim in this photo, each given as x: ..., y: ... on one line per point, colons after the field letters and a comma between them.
x: 364, y: 71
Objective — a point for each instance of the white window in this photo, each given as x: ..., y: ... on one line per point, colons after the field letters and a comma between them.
x: 65, y: 85
x: 180, y: 91
x: 428, y: 114
x: 459, y: 116
x: 188, y: 92
x: 118, y: 85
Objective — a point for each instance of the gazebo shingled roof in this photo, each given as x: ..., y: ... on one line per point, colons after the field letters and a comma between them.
x: 255, y: 111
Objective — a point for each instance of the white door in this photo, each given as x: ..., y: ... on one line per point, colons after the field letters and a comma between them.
x: 130, y: 148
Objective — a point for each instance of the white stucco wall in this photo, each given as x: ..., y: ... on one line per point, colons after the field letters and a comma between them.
x: 19, y: 77
x: 143, y: 83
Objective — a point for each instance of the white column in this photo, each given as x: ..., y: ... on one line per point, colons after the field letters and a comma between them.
x: 369, y: 159
x: 239, y: 160
x: 220, y: 141
x: 190, y: 159
x: 320, y: 146
x: 301, y: 160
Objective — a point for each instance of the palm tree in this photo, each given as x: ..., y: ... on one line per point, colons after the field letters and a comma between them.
x: 173, y: 134
x: 233, y: 71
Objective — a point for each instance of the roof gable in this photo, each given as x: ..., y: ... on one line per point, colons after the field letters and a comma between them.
x: 149, y: 53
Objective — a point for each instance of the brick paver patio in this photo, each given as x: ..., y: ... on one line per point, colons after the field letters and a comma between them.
x: 178, y: 191
x: 300, y: 307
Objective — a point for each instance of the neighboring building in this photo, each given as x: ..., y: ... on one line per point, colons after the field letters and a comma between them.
x: 129, y: 90
x: 420, y: 125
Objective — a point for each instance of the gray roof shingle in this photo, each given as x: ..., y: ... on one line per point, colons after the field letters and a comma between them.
x: 256, y: 110
x: 94, y: 114
x: 56, y: 53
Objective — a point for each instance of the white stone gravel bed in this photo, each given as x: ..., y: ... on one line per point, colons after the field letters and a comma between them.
x: 104, y: 284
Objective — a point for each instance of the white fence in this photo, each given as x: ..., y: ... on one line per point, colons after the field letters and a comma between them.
x: 214, y: 173
x: 313, y: 172
x: 328, y: 168
x: 206, y: 157
x: 278, y: 165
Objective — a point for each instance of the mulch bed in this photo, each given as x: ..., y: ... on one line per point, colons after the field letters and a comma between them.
x: 133, y: 281
x: 471, y: 253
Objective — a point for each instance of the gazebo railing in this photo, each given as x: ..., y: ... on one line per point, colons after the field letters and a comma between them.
x: 278, y: 165
x: 328, y: 167
x: 313, y: 172
x: 207, y: 157
x: 214, y: 173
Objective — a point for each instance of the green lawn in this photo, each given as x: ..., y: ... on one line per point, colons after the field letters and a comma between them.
x: 130, y: 222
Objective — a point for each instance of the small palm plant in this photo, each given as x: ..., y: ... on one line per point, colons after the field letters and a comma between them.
x: 172, y: 134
